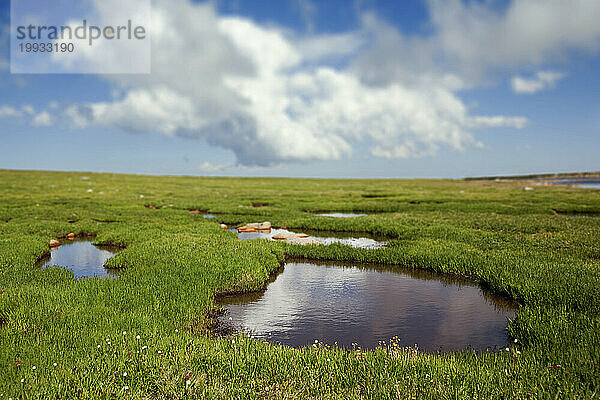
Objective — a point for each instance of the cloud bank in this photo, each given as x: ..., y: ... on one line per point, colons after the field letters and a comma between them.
x: 273, y: 96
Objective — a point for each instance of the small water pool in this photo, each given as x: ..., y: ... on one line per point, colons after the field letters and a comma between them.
x: 81, y: 257
x: 595, y: 185
x: 346, y: 304
x: 341, y: 215
x: 352, y: 239
x: 583, y: 182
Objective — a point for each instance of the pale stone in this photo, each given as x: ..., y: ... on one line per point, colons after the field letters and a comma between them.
x: 261, y: 226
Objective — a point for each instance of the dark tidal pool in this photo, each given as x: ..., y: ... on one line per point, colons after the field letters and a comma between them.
x: 348, y: 304
x: 81, y: 257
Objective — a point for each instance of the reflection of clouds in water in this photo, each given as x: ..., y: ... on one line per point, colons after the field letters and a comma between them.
x: 341, y: 215
x: 583, y: 182
x: 284, y: 301
x: 350, y: 304
x: 478, y: 318
x: 81, y: 257
x: 352, y: 240
x: 361, y: 243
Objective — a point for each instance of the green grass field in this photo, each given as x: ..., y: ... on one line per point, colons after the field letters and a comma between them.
x: 146, y: 335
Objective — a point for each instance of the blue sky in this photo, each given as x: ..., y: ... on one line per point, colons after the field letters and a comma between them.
x: 326, y: 89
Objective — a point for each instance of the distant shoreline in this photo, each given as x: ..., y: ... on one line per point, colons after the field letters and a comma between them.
x: 536, y: 176
x: 546, y: 176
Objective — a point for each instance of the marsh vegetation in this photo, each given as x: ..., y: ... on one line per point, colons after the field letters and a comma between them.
x: 147, y: 334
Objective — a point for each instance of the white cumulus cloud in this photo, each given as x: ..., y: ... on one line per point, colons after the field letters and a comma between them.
x: 28, y: 109
x: 542, y: 80
x: 477, y: 37
x: 499, y: 121
x: 472, y: 42
x: 271, y: 96
x: 43, y: 119
x: 207, y: 166
x: 8, y: 111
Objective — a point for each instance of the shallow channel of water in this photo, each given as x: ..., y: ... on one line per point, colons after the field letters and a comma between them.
x: 352, y: 239
x: 350, y: 303
x: 341, y: 215
x: 595, y: 185
x: 81, y: 257
x: 583, y: 182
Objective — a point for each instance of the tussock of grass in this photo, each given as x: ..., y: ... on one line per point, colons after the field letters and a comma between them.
x: 173, y: 263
